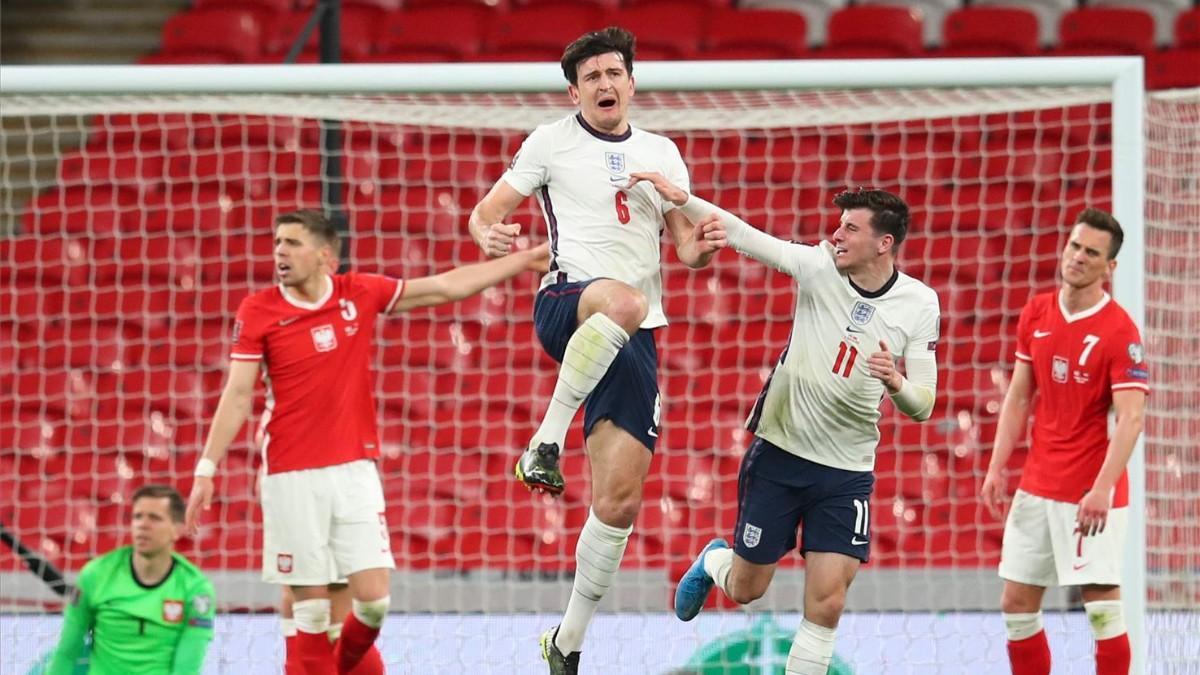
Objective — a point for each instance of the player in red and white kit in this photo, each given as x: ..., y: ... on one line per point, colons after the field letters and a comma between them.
x: 323, y: 509
x: 1082, y: 354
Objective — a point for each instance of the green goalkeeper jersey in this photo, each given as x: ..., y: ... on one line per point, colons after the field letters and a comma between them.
x: 136, y: 629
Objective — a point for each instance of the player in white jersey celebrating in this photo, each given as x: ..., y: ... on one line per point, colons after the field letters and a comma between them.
x: 599, y: 303
x: 813, y: 455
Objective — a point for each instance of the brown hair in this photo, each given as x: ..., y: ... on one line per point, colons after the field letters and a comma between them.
x: 611, y: 39
x: 315, y: 223
x: 1103, y: 221
x: 175, y: 504
x: 889, y: 213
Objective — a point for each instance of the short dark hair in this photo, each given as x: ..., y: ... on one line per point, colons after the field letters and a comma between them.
x: 611, y: 39
x: 315, y: 222
x: 889, y: 213
x: 1103, y: 221
x: 175, y: 504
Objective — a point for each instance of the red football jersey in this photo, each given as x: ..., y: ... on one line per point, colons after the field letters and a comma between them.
x: 316, y: 360
x: 1078, y: 361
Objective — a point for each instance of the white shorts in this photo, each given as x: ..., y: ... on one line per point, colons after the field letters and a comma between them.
x: 1043, y: 548
x: 322, y: 525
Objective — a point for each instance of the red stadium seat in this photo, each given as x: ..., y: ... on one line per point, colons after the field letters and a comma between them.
x: 990, y: 31
x: 238, y: 257
x: 1095, y: 31
x: 755, y: 34
x: 234, y: 32
x: 1173, y: 69
x: 538, y: 32
x: 665, y: 29
x: 240, y: 170
x: 1187, y: 29
x: 186, y: 59
x: 43, y: 262
x: 92, y: 210
x: 358, y: 30
x: 873, y: 31
x: 442, y: 33
x: 272, y: 6
x: 187, y: 209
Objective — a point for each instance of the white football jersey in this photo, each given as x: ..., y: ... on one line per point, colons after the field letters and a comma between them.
x: 597, y: 227
x: 821, y: 402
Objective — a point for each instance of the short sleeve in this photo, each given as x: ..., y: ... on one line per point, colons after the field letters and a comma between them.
x: 922, y: 345
x: 1127, y: 361
x: 676, y: 171
x: 1023, y: 330
x: 384, y: 291
x: 528, y: 171
x: 247, y: 333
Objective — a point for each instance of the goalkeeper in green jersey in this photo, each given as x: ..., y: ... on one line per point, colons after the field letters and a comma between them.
x: 147, y: 609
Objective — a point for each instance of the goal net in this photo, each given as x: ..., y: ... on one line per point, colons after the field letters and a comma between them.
x: 134, y: 224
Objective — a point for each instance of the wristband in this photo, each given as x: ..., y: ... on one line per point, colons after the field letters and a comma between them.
x: 205, y: 468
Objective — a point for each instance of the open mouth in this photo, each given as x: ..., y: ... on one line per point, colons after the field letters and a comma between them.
x: 283, y: 268
x: 607, y: 103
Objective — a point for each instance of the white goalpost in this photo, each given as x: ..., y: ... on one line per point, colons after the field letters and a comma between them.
x: 124, y: 268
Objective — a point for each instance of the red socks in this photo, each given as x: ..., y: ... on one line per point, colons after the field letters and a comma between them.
x: 1112, y: 655
x: 1030, y: 656
x: 292, y: 664
x: 356, y: 640
x: 370, y: 664
x: 315, y: 653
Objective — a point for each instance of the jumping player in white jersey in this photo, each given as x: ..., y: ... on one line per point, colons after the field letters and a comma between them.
x: 813, y: 455
x: 323, y: 508
x: 598, y: 304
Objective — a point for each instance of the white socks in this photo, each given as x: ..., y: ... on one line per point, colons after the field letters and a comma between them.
x: 812, y: 649
x: 311, y: 616
x: 1105, y: 618
x: 1022, y: 626
x: 597, y: 557
x: 589, y: 353
x: 717, y: 564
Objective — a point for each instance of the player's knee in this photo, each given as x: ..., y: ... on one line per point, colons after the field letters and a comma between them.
x: 371, y: 613
x: 618, y: 510
x: 1013, y: 601
x: 826, y: 609
x: 628, y: 308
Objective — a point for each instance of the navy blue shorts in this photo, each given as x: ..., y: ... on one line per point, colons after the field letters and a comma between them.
x: 778, y: 492
x: 628, y: 394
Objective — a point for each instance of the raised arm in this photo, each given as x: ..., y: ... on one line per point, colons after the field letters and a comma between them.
x: 1014, y: 419
x: 487, y: 225
x: 234, y: 407
x: 468, y: 280
x: 745, y: 238
x: 696, y: 244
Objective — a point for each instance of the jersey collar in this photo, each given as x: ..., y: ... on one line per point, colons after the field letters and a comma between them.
x: 611, y: 138
x: 136, y: 580
x: 882, y: 289
x: 1082, y: 314
x: 309, y: 305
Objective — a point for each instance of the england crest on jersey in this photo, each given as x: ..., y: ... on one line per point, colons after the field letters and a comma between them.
x: 751, y: 535
x: 615, y: 161
x: 862, y: 313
